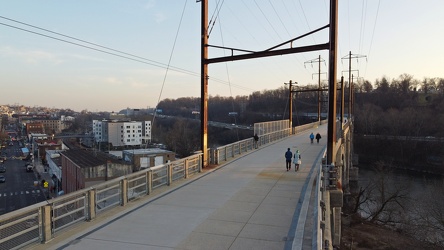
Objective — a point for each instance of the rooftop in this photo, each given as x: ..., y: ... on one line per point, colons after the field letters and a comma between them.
x: 147, y: 151
x: 87, y: 159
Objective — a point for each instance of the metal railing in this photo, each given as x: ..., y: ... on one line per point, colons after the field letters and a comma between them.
x: 319, y: 208
x: 41, y: 222
x: 20, y: 228
x: 227, y: 152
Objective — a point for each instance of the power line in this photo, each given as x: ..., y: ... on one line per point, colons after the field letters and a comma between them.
x: 279, y: 17
x: 289, y: 14
x: 125, y: 55
x: 373, y: 33
x: 363, y: 19
x: 268, y: 21
x: 169, y: 61
x: 217, y: 10
x: 306, y: 20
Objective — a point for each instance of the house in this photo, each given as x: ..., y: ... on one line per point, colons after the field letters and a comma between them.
x: 147, y: 157
x: 82, y: 169
x: 43, y: 145
x: 34, y: 128
x: 54, y: 163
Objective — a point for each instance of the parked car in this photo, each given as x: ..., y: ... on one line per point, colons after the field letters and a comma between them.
x: 2, y: 169
x: 2, y: 178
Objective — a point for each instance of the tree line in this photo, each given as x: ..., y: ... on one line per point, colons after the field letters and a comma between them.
x: 259, y: 106
x: 403, y: 106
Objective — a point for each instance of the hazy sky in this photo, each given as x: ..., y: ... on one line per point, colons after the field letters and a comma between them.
x: 396, y: 36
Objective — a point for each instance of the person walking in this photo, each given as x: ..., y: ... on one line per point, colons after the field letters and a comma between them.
x: 312, y: 137
x: 256, y: 139
x: 297, y: 160
x: 318, y: 137
x: 288, y: 156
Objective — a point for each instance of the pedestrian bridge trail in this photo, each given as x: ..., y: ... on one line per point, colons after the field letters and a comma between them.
x: 251, y: 202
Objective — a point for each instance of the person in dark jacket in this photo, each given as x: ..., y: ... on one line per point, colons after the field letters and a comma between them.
x: 318, y: 137
x: 288, y: 156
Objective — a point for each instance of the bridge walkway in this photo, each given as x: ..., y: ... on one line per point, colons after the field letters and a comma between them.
x: 251, y: 202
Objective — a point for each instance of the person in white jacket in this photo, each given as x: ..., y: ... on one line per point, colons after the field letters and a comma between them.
x: 297, y: 160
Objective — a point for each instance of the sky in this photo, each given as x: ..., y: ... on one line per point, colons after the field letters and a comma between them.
x: 109, y: 55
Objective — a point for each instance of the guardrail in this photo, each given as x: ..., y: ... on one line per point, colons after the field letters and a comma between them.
x: 230, y: 151
x: 227, y: 152
x: 319, y: 212
x: 41, y: 222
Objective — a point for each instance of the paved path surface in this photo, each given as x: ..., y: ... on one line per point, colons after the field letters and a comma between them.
x: 251, y: 202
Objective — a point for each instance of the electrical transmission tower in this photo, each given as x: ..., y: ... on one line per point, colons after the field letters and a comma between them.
x: 318, y: 60
x: 351, y: 56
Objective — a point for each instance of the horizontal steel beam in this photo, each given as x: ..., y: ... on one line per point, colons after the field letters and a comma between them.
x: 268, y: 53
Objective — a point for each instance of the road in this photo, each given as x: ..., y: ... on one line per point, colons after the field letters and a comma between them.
x: 18, y: 191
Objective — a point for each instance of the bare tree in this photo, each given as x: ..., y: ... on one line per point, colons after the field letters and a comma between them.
x: 367, y: 118
x: 428, y: 84
x: 404, y: 84
x: 383, y: 85
x: 367, y: 86
x: 440, y: 86
x: 385, y: 200
x: 427, y: 216
x: 182, y: 138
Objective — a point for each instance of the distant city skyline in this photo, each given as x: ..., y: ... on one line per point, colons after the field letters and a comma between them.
x: 39, y: 69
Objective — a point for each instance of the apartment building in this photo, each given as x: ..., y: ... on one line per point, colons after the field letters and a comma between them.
x: 122, y: 133
x: 50, y: 126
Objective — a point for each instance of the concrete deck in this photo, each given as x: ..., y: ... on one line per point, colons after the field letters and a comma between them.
x: 251, y: 202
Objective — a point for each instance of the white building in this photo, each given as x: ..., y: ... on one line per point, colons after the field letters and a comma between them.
x: 122, y: 133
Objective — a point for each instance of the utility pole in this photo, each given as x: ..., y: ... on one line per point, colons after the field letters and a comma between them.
x: 349, y: 57
x: 352, y: 99
x: 290, y: 106
x: 331, y: 128
x: 318, y: 60
x: 204, y: 83
x: 342, y: 100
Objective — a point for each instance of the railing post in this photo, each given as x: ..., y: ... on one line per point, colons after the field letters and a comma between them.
x: 216, y: 156
x: 186, y: 166
x: 170, y: 173
x: 149, y: 181
x: 46, y: 223
x: 200, y: 163
x: 91, y: 204
x: 124, y: 192
x: 211, y: 156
